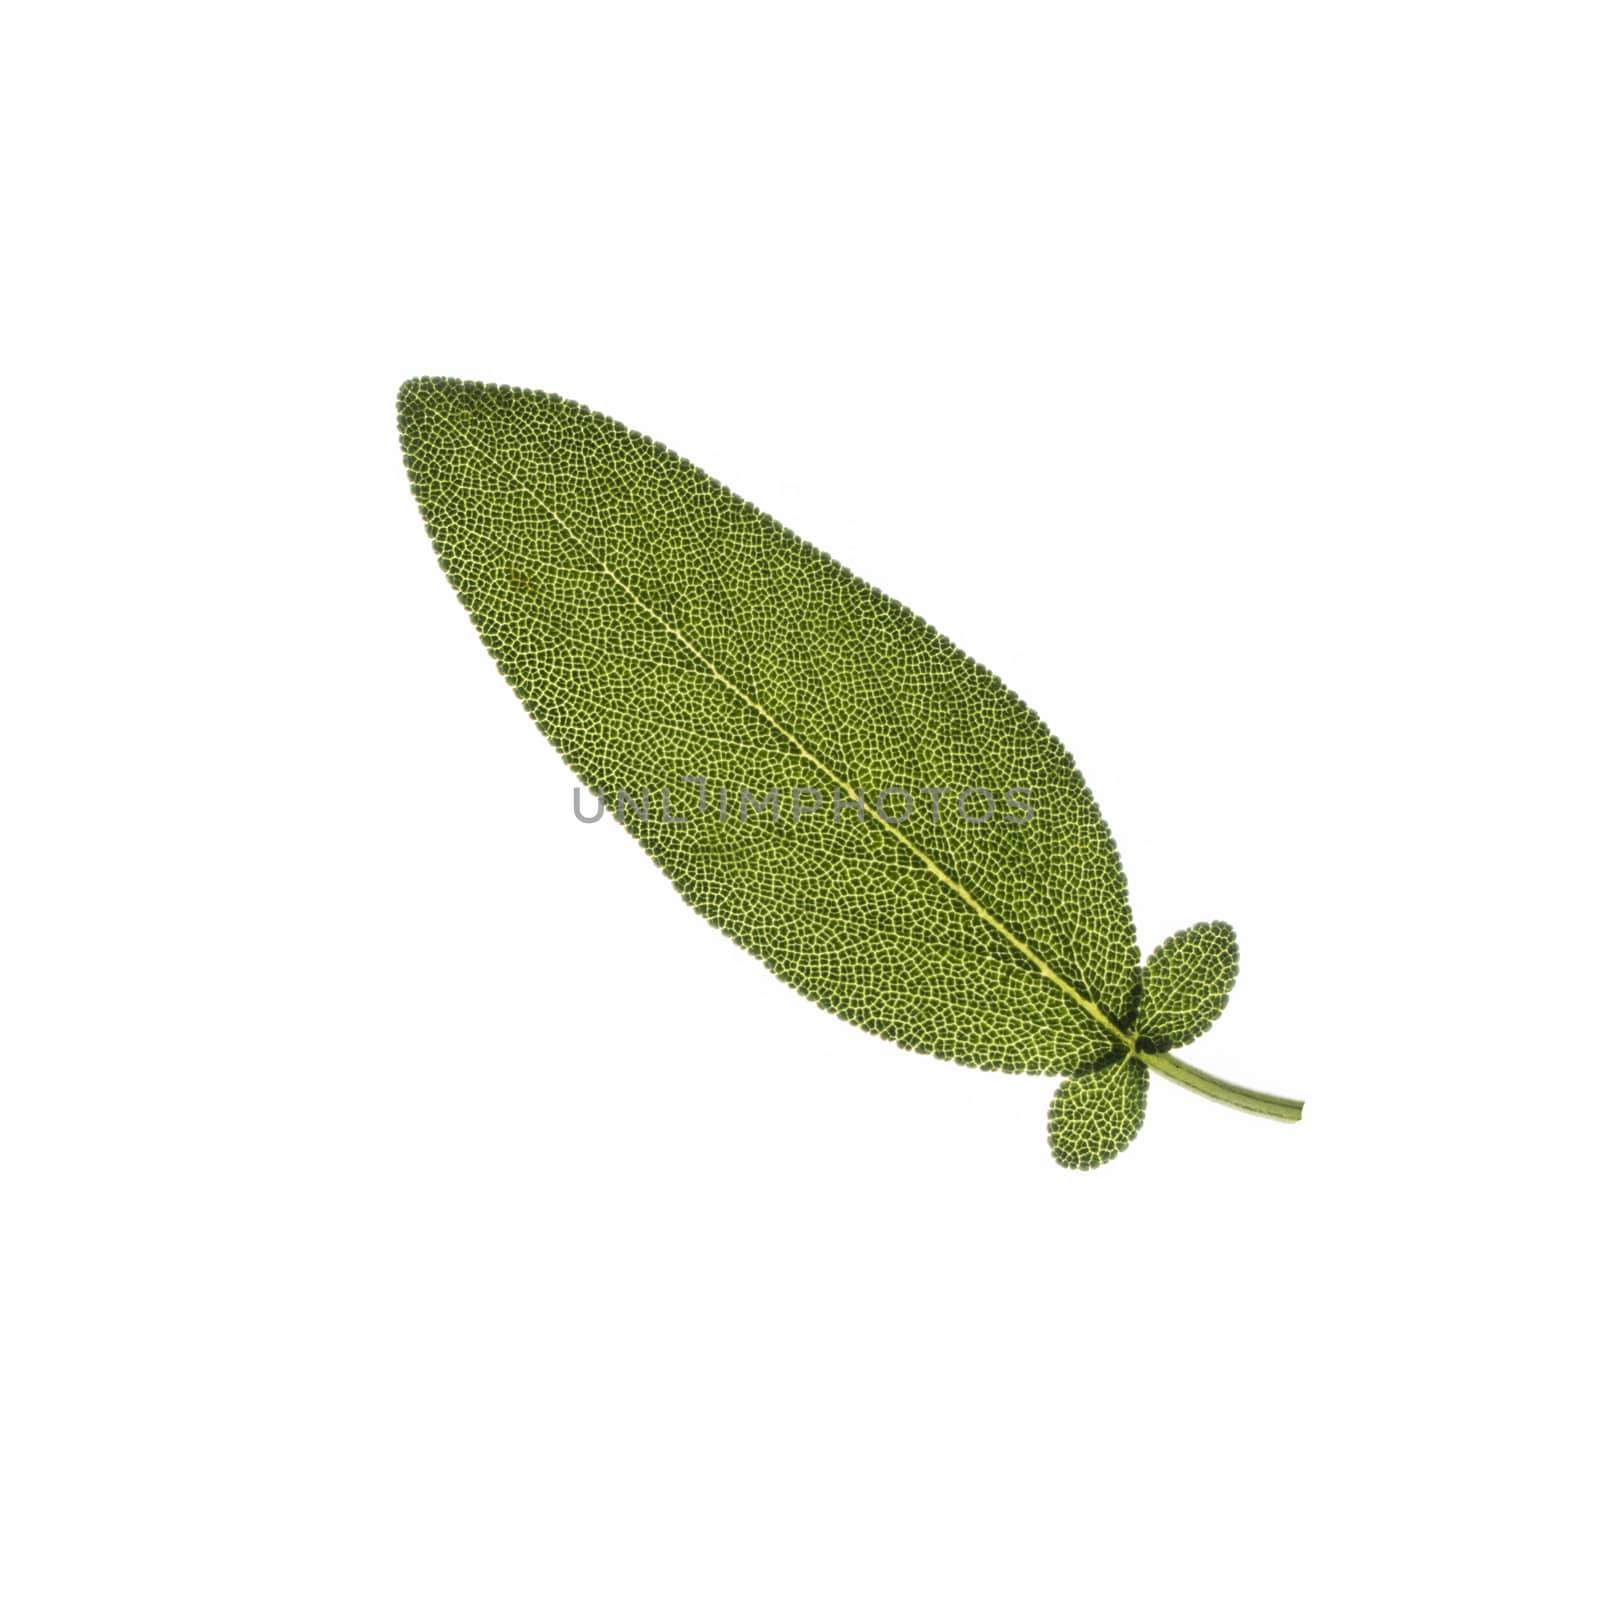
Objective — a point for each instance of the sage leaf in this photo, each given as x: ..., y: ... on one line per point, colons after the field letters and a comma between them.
x: 820, y: 773
x: 1095, y: 1114
x: 1186, y: 984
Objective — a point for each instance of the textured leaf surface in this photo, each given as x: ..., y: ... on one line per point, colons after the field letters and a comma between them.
x: 658, y: 628
x: 1186, y: 985
x: 1094, y: 1115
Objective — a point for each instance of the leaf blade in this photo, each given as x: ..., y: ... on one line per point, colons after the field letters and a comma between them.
x: 1186, y: 985
x: 657, y: 627
x: 1095, y: 1115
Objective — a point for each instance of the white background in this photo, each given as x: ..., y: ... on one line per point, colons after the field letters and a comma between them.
x: 404, y: 1194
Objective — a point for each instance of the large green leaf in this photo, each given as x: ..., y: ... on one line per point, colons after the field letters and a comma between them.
x: 674, y: 642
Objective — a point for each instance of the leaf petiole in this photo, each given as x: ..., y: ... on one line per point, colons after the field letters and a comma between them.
x: 1276, y: 1106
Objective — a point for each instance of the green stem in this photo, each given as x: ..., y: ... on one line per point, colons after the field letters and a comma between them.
x: 1229, y: 1094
